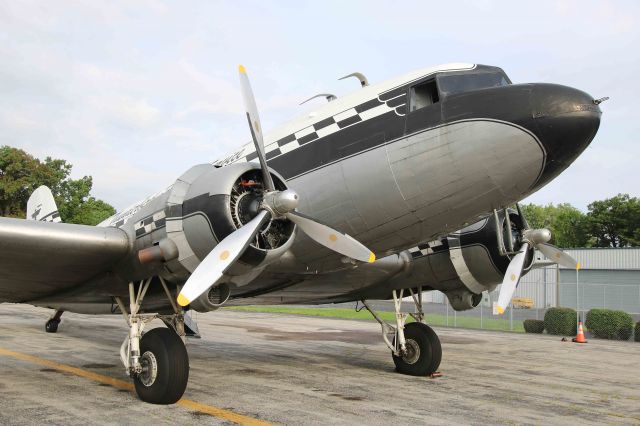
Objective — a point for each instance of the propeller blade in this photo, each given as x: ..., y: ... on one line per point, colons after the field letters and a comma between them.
x: 558, y: 256
x: 525, y: 224
x: 330, y: 238
x: 510, y: 281
x: 254, y: 125
x: 220, y: 259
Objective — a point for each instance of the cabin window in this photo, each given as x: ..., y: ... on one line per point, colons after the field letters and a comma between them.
x: 423, y: 95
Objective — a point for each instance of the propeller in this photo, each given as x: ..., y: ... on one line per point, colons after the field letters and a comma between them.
x: 275, y: 205
x: 539, y: 239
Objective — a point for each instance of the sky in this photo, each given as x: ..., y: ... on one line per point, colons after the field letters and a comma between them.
x: 135, y: 93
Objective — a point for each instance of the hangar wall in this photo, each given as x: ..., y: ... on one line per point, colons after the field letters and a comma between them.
x: 609, y: 278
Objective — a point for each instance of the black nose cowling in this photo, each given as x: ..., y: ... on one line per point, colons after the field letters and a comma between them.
x: 566, y: 121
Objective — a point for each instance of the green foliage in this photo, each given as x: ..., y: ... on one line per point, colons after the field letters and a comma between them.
x: 636, y: 336
x: 560, y: 321
x: 567, y: 224
x: 533, y: 326
x: 615, y: 222
x: 609, y: 324
x: 92, y: 212
x: 21, y: 174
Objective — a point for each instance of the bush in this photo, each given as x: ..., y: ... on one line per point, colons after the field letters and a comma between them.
x: 609, y: 324
x: 533, y: 326
x: 560, y: 321
x: 637, y: 336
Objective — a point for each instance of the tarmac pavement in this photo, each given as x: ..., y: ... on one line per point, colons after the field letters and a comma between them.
x: 287, y: 369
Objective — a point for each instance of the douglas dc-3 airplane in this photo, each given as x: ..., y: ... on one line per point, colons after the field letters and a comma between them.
x: 421, y: 170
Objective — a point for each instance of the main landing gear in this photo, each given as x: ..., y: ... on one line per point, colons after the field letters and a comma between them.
x: 415, y: 347
x: 157, y: 361
x: 51, y: 325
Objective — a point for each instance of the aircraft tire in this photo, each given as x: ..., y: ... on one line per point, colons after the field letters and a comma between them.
x: 436, y: 348
x: 165, y: 350
x: 424, y: 351
x: 51, y: 326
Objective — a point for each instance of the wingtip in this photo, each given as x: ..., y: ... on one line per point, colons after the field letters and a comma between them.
x: 372, y: 257
x: 242, y: 69
x: 182, y: 300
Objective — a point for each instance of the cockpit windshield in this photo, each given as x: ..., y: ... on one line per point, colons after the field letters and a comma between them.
x: 450, y: 83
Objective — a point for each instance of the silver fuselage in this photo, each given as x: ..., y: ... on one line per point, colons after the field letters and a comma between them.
x: 371, y: 167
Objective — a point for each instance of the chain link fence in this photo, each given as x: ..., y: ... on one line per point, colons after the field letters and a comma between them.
x: 538, y: 292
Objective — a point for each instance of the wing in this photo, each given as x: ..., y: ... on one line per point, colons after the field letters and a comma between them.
x: 41, y: 258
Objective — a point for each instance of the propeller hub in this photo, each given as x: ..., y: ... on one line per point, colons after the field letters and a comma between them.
x: 281, y: 202
x: 537, y: 236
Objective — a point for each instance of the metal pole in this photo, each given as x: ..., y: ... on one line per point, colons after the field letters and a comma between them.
x: 511, y: 318
x: 447, y: 306
x: 577, y: 300
x: 455, y: 318
x: 544, y: 306
x: 481, y: 308
x: 557, y: 285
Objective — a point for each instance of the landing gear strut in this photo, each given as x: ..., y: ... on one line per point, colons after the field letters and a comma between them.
x: 51, y: 325
x: 415, y: 347
x: 157, y: 361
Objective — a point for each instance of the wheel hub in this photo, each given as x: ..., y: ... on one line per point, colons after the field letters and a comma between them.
x: 149, y: 371
x: 412, y: 352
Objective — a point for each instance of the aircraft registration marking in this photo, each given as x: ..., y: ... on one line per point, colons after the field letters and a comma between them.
x: 121, y: 384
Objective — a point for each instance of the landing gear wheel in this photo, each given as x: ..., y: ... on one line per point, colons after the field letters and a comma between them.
x: 51, y: 326
x: 436, y: 348
x: 165, y: 367
x: 424, y: 351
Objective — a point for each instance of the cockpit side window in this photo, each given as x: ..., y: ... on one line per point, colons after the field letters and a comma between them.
x: 423, y: 95
x: 451, y: 83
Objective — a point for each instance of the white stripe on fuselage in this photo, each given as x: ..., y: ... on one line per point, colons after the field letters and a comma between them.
x: 340, y: 109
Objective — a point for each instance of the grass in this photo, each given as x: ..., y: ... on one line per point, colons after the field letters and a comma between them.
x: 431, y: 319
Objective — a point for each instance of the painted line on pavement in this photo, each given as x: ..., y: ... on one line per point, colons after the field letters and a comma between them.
x: 122, y: 384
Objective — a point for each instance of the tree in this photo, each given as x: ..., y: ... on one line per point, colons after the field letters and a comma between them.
x: 21, y: 174
x: 570, y: 226
x: 567, y: 224
x: 615, y: 222
x: 92, y: 212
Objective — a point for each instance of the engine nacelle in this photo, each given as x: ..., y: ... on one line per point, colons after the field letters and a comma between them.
x: 463, y: 299
x: 208, y: 203
x: 212, y: 299
x: 467, y: 262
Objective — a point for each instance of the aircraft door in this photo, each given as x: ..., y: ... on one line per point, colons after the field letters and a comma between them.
x: 424, y: 107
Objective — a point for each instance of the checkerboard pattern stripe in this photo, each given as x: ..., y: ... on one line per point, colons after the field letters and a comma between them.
x: 150, y: 223
x: 426, y: 249
x: 386, y: 102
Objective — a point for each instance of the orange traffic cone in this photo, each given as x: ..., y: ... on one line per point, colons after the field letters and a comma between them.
x: 580, y: 337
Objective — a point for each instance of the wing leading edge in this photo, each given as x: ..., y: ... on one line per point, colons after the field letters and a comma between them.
x: 41, y: 258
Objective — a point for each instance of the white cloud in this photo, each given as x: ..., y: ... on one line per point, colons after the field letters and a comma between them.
x: 134, y: 93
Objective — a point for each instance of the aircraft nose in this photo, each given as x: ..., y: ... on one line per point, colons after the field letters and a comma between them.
x: 566, y: 120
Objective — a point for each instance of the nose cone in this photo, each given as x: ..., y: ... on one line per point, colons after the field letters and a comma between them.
x: 566, y: 121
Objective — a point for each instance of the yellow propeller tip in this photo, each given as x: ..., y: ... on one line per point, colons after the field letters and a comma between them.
x: 578, y: 266
x: 500, y: 310
x: 182, y: 301
x: 372, y: 257
x: 242, y: 69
